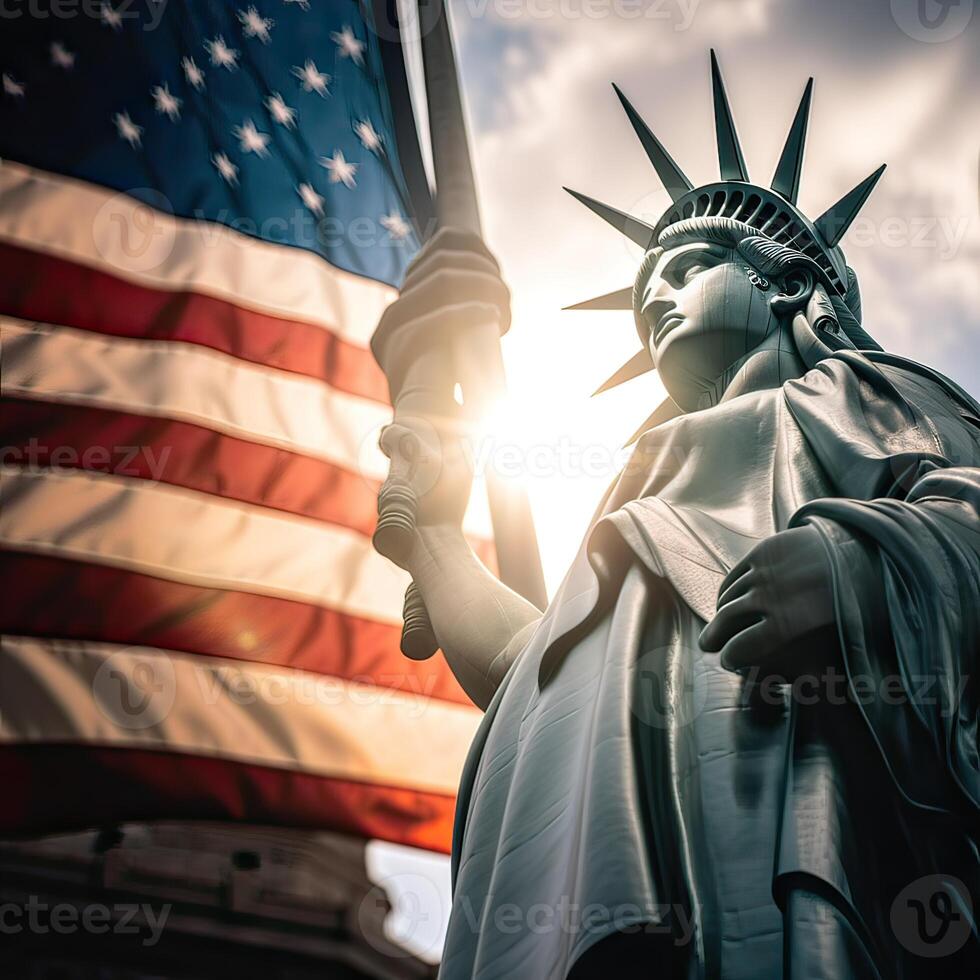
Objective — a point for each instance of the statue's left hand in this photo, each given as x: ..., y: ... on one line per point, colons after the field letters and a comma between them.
x: 775, y: 609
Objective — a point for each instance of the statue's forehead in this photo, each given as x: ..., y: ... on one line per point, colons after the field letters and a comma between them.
x: 687, y: 248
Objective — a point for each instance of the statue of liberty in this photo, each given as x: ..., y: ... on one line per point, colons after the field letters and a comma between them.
x: 746, y: 725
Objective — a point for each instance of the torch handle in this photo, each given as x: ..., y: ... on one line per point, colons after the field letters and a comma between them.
x: 424, y: 393
x: 418, y: 638
x: 394, y: 534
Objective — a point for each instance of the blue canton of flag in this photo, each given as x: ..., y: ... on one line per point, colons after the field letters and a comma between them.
x: 271, y: 117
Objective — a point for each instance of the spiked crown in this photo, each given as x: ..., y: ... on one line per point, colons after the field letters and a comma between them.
x: 771, y: 210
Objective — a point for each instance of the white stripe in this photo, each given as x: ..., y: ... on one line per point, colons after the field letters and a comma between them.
x: 197, y: 538
x: 193, y: 384
x: 117, y: 234
x: 136, y: 697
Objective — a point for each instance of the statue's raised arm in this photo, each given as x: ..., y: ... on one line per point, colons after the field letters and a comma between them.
x: 453, y: 283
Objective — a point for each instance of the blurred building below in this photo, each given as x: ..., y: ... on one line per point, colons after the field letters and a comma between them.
x: 194, y: 902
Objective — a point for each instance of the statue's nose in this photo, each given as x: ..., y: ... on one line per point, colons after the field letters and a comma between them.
x: 655, y: 311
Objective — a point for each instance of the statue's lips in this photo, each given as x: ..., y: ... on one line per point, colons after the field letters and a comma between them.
x: 666, y: 324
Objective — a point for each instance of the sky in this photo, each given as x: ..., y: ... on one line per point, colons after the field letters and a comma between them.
x: 897, y: 82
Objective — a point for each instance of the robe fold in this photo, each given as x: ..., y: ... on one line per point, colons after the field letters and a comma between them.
x: 629, y: 808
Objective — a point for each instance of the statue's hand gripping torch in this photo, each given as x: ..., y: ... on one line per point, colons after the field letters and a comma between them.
x: 452, y: 291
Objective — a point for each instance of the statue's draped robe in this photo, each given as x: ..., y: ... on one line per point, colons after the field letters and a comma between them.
x: 625, y: 787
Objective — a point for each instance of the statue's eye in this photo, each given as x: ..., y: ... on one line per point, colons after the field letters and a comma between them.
x: 684, y: 268
x: 678, y: 270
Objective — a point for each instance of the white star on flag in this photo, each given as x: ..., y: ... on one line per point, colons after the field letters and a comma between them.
x: 395, y: 225
x: 110, y: 17
x: 192, y: 73
x: 350, y: 46
x: 311, y: 199
x: 12, y: 87
x: 165, y: 102
x: 311, y: 78
x: 370, y: 138
x: 283, y: 114
x: 127, y: 129
x: 222, y: 56
x: 224, y: 166
x: 255, y: 25
x: 302, y: 4
x: 61, y: 56
x: 341, y: 171
x: 250, y: 140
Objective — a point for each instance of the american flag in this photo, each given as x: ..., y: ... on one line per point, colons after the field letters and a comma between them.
x: 204, y: 209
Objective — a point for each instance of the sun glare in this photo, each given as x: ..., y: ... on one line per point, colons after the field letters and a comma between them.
x: 549, y: 437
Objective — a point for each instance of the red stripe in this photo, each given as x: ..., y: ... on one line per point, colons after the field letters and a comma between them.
x: 42, y: 434
x: 40, y: 287
x: 60, y: 598
x: 185, y: 455
x: 53, y: 788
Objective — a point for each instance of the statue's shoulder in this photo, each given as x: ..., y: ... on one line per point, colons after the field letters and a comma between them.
x: 910, y: 376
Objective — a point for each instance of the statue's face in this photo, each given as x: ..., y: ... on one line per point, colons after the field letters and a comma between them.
x: 705, y: 308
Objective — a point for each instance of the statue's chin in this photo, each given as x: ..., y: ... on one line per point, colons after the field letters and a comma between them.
x: 688, y: 361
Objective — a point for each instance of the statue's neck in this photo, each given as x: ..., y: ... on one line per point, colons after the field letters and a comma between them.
x: 770, y: 365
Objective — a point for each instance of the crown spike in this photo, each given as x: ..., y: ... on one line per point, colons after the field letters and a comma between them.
x: 640, y: 363
x: 621, y: 299
x: 729, y: 149
x: 634, y: 229
x: 834, y: 222
x: 673, y: 178
x: 787, y: 177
